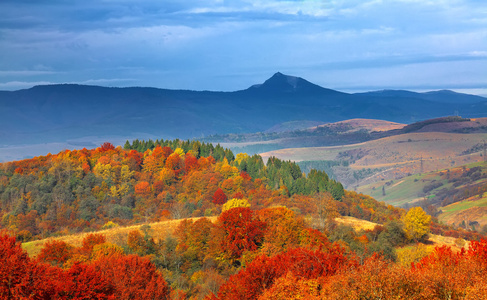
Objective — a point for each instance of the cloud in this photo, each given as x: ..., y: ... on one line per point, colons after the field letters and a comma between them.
x: 166, y: 43
x: 26, y: 73
x: 16, y: 85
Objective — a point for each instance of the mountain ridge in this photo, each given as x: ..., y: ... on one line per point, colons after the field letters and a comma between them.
x: 50, y: 113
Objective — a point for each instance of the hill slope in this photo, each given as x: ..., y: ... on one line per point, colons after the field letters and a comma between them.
x: 60, y: 112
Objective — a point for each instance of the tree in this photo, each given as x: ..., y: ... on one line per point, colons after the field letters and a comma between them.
x: 326, y: 209
x: 283, y: 229
x: 106, y: 146
x: 416, y: 224
x: 56, y: 252
x: 14, y: 264
x: 242, y: 231
x: 234, y: 203
x: 263, y: 272
x: 21, y: 278
x: 89, y: 242
x: 219, y: 197
x: 292, y: 287
x: 133, y: 277
x: 83, y: 281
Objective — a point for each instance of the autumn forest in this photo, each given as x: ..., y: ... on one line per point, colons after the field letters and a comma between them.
x: 243, y: 228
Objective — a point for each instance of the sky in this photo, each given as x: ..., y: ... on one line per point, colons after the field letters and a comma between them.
x: 350, y: 45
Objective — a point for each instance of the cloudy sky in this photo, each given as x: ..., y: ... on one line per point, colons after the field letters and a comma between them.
x: 350, y: 45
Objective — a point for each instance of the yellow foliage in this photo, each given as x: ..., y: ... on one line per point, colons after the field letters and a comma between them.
x: 233, y: 203
x: 109, y: 225
x: 241, y: 157
x: 179, y: 151
x: 292, y: 287
x: 416, y: 223
x: 226, y: 169
x: 166, y: 175
x: 105, y: 171
x: 114, y: 192
x: 106, y: 250
x: 408, y: 255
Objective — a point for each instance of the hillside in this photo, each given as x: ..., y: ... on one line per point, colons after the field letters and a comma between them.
x: 345, y: 132
x: 392, y: 157
x: 188, y: 219
x: 76, y: 113
x: 364, y: 124
x: 457, y: 193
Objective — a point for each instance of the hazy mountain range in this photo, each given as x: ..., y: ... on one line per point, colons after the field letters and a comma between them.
x: 52, y: 113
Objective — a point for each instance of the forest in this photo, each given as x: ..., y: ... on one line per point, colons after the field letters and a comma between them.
x: 248, y: 230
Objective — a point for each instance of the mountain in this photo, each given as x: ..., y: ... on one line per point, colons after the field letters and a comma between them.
x: 53, y: 113
x: 443, y: 96
x: 280, y: 83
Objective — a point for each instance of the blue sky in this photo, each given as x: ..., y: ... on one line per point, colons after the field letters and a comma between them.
x: 353, y: 45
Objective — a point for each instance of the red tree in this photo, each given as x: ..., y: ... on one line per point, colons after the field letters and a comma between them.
x: 263, y: 271
x: 242, y: 231
x: 134, y: 277
x: 107, y: 146
x: 85, y: 282
x: 219, y: 197
x: 20, y: 278
x: 55, y: 252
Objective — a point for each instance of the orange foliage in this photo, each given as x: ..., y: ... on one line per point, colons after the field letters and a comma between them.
x: 56, y: 252
x: 242, y: 231
x: 262, y: 273
x: 142, y: 188
x: 133, y: 277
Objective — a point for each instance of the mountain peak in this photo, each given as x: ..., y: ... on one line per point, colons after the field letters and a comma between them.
x: 289, y: 83
x: 282, y: 83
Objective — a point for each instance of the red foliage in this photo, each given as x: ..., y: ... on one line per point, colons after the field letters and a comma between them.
x: 107, y: 146
x: 166, y: 151
x: 219, y: 197
x: 134, y: 277
x: 243, y: 231
x: 238, y: 195
x: 263, y: 271
x: 245, y: 175
x: 90, y: 241
x: 20, y: 278
x: 55, y: 252
x: 85, y: 282
x: 173, y: 162
x: 478, y: 250
x: 14, y: 264
x: 190, y: 163
x: 142, y: 188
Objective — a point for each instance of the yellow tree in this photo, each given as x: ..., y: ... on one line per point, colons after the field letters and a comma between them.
x: 233, y: 203
x: 416, y: 224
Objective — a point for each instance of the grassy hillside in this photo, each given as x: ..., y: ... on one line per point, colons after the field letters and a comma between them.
x: 116, y: 235
x: 393, y: 158
x: 159, y: 230
x: 465, y: 212
x: 458, y: 193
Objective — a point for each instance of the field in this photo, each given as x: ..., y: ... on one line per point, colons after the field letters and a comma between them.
x: 471, y: 209
x: 366, y: 124
x: 159, y: 230
x: 394, y: 157
x: 356, y: 224
x: 117, y: 235
x: 433, y: 241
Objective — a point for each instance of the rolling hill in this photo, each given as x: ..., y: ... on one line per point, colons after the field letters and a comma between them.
x: 59, y: 113
x: 359, y: 156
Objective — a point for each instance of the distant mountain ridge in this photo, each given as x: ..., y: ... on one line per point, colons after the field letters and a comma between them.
x: 445, y: 96
x: 59, y: 112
